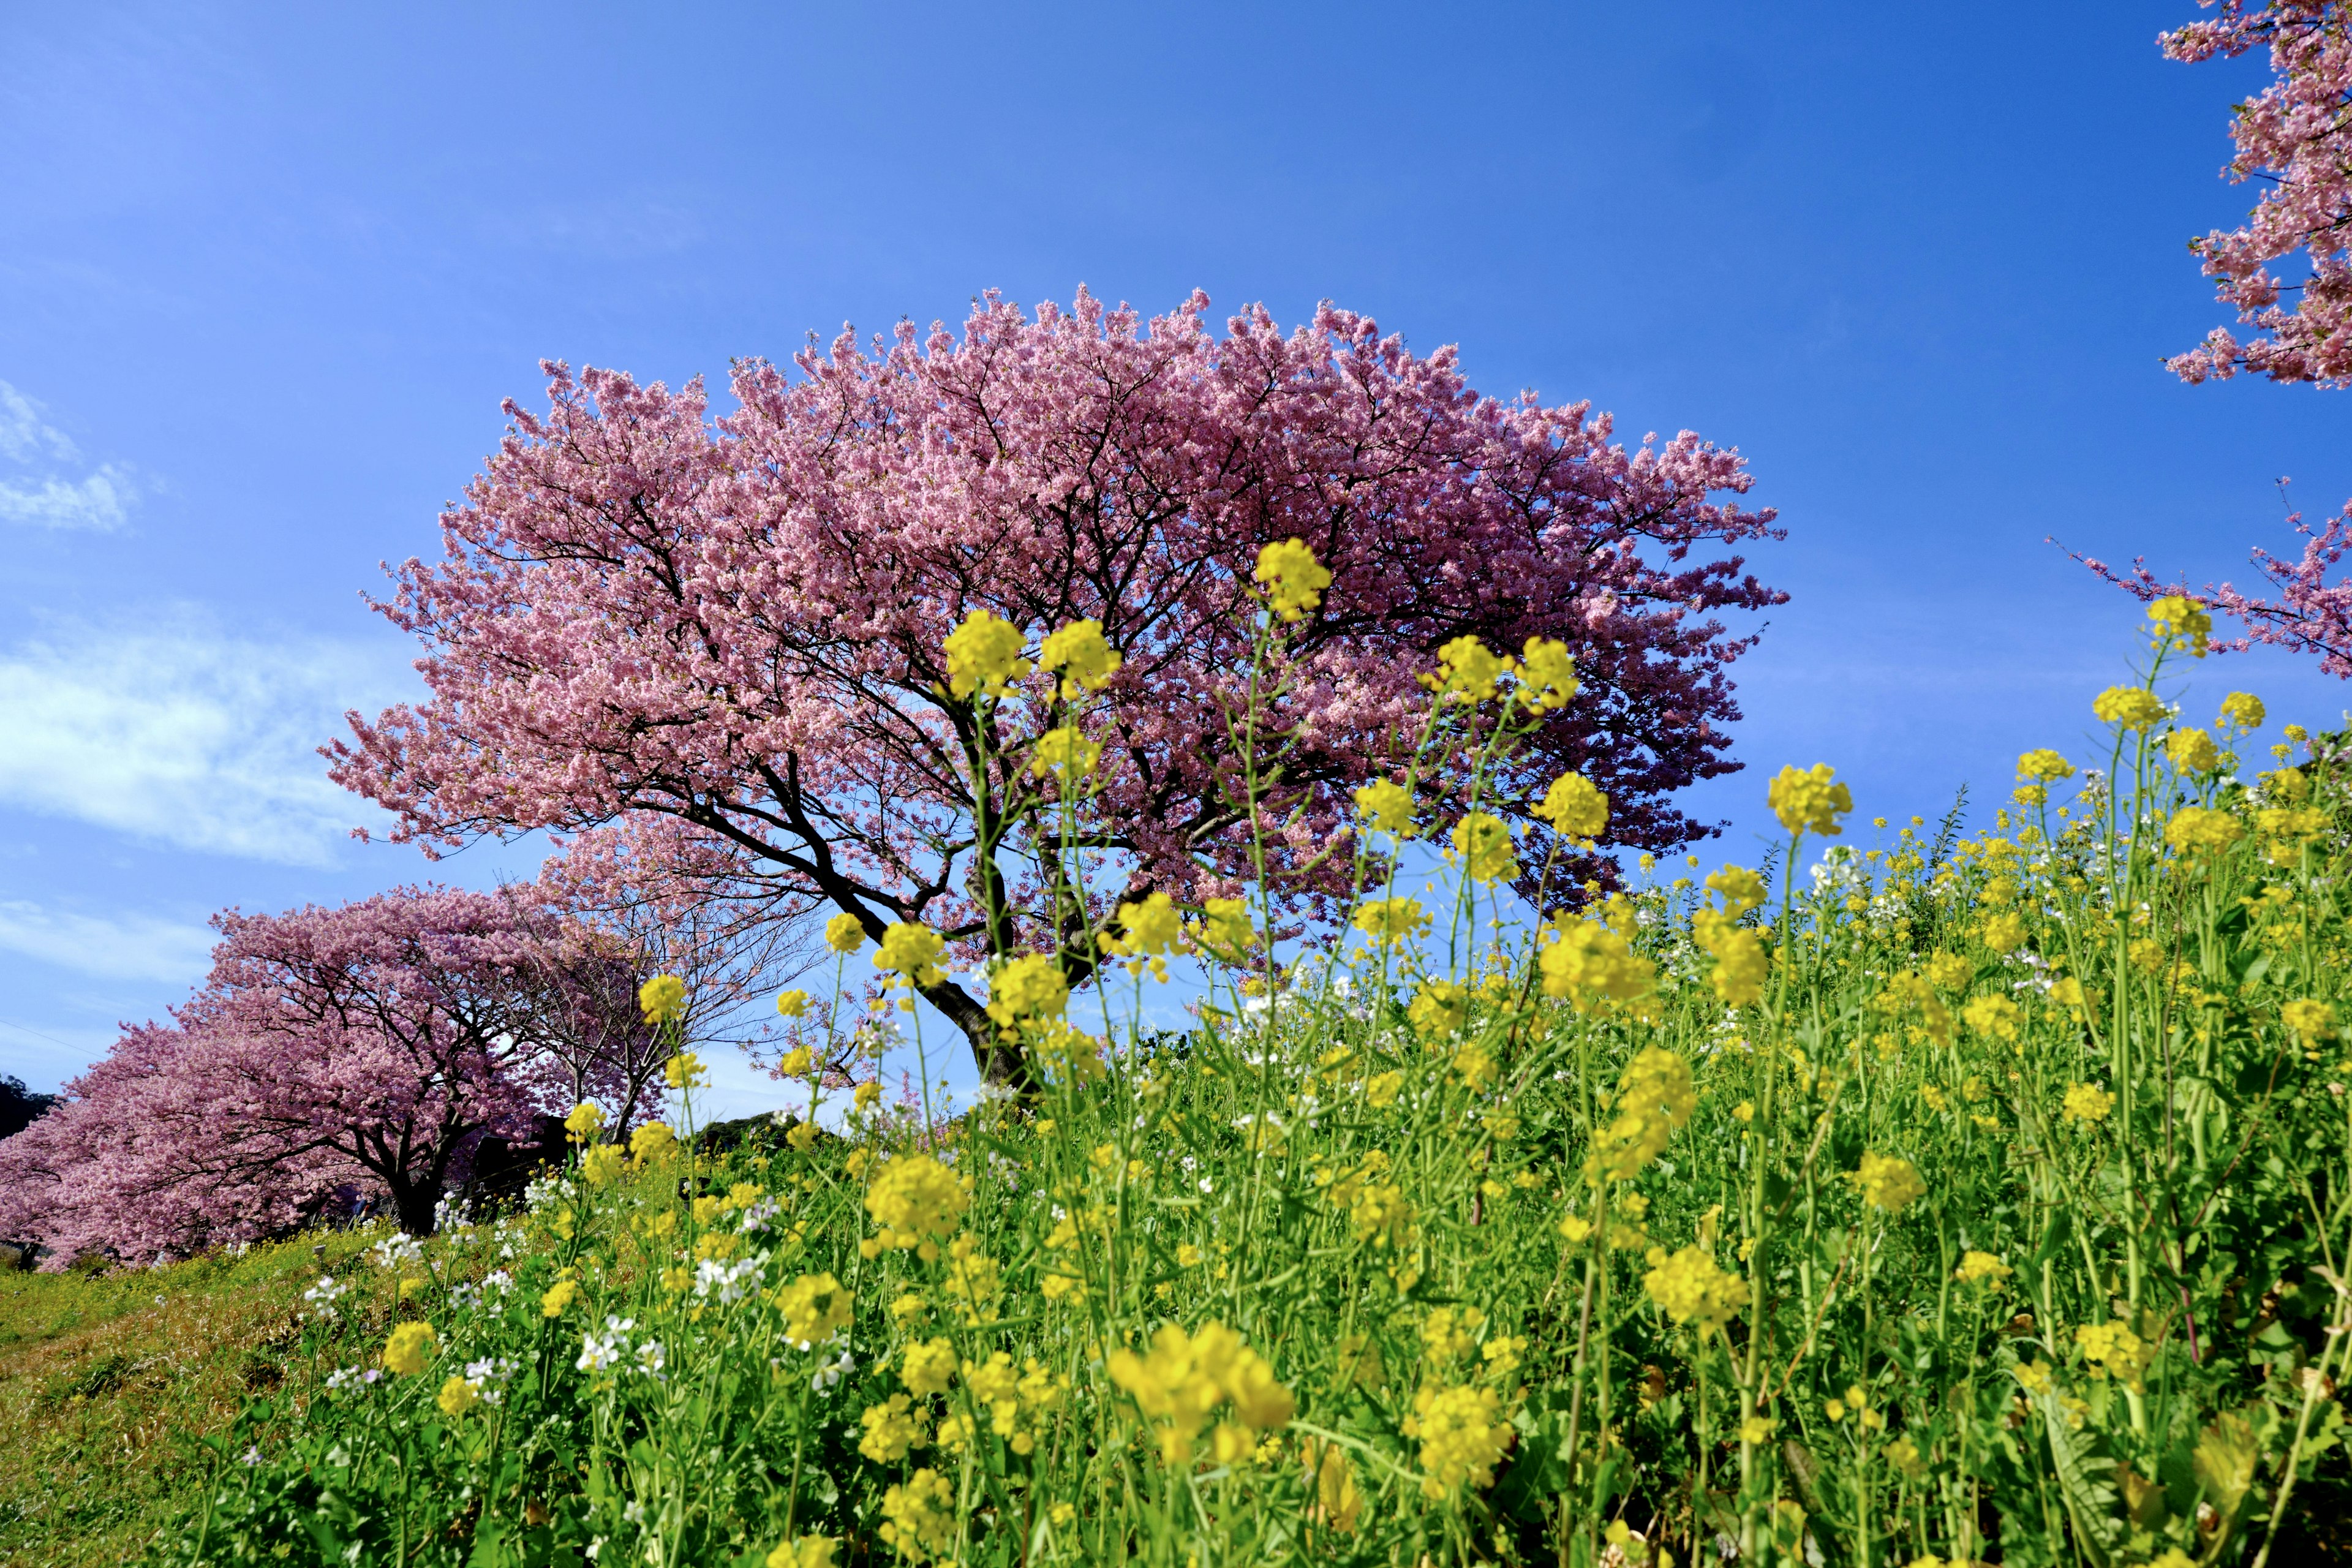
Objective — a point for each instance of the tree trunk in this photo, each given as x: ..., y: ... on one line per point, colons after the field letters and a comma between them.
x: 416, y: 1204
x: 1001, y: 1062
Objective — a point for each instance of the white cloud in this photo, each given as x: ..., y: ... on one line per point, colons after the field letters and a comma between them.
x: 180, y: 733
x: 100, y: 501
x: 25, y: 436
x: 131, y: 947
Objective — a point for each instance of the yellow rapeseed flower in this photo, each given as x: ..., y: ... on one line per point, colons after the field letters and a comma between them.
x: 917, y: 1203
x: 1184, y: 1380
x: 1740, y: 888
x: 911, y: 950
x: 1808, y: 801
x: 2312, y: 1021
x: 1461, y: 1435
x: 2241, y: 710
x: 2086, y: 1104
x: 808, y: 1551
x: 652, y: 1143
x: 844, y: 933
x: 2192, y: 751
x: 1482, y: 846
x: 458, y: 1396
x: 1085, y: 660
x: 1386, y: 806
x: 684, y: 1070
x: 1691, y: 1289
x: 1224, y: 929
x: 602, y: 1165
x: 587, y: 1119
x: 1981, y: 1268
x: 1574, y: 807
x: 1888, y: 1183
x: 1654, y: 1097
x: 919, y: 1518
x: 815, y: 1307
x: 559, y: 1298
x: 1295, y: 580
x: 2200, y: 830
x: 2128, y: 707
x: 405, y: 1351
x: 2043, y: 765
x: 927, y: 1367
x: 1152, y: 927
x: 1467, y: 670
x: 1591, y: 964
x: 1389, y: 920
x: 1028, y: 988
x: 663, y: 998
x: 1064, y: 751
x: 1995, y: 1016
x: 984, y: 652
x: 2181, y: 623
x: 1547, y: 675
x: 792, y: 1003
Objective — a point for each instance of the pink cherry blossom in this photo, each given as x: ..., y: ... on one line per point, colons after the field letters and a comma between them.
x: 2295, y: 136
x: 738, y: 622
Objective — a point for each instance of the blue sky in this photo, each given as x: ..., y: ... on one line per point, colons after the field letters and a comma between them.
x: 266, y: 271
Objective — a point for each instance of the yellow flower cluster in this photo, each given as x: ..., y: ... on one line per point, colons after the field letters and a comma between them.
x: 1385, y: 806
x: 1995, y: 1016
x: 808, y: 1551
x: 1390, y: 921
x: 919, y: 1518
x: 684, y: 1071
x: 911, y: 952
x: 815, y: 1307
x: 2114, y: 1350
x: 663, y: 998
x: 1224, y: 931
x: 1482, y: 846
x: 1740, y: 964
x: 652, y: 1144
x: 983, y: 653
x: 2192, y: 751
x: 2309, y: 1020
x: 405, y: 1351
x: 916, y: 1203
x: 1179, y: 1386
x: 1981, y: 1268
x: 2242, y: 711
x: 890, y: 1429
x: 1547, y: 676
x: 1467, y: 670
x: 2043, y: 765
x: 844, y: 933
x: 1064, y: 753
x: 1006, y: 1395
x: 1809, y: 801
x: 1439, y: 1009
x: 458, y: 1396
x: 2200, y: 830
x: 2086, y: 1104
x: 2129, y: 708
x: 1295, y: 580
x: 1575, y: 806
x: 2181, y: 623
x: 1654, y: 1097
x: 1462, y: 1437
x: 1025, y: 990
x: 1085, y: 660
x: 602, y: 1165
x: 1889, y: 1183
x: 1590, y: 964
x: 1691, y: 1289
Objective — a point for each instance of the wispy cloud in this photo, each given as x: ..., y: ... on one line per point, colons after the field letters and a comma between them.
x: 46, y: 498
x: 101, y: 501
x: 181, y: 734
x: 129, y: 947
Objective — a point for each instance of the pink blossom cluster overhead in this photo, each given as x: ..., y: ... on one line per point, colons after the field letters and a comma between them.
x: 2295, y: 136
x: 737, y: 621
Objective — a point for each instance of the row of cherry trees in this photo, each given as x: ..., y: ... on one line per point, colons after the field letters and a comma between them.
x: 371, y: 1049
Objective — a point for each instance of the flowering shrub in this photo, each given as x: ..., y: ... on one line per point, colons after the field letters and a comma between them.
x: 1993, y: 1203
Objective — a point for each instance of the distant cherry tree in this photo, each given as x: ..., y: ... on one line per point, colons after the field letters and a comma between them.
x: 739, y: 622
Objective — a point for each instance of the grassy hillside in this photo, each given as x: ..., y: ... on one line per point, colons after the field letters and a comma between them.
x: 108, y: 1383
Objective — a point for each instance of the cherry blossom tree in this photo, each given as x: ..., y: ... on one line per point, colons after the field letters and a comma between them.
x: 147, y: 1156
x: 738, y: 622
x: 649, y: 895
x: 2295, y: 138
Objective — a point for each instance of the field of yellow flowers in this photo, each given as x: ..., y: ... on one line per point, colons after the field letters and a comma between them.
x: 1957, y: 1200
